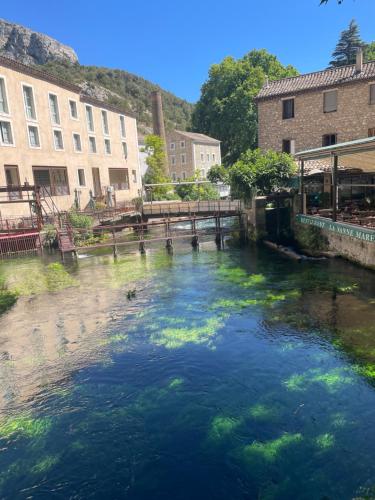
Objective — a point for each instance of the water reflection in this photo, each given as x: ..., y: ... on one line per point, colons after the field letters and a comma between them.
x: 232, y: 374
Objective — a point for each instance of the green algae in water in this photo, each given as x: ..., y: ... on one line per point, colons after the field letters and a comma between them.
x: 263, y: 413
x: 45, y: 464
x: 222, y: 427
x: 176, y: 383
x: 270, y: 450
x: 174, y: 338
x: 25, y: 426
x: 332, y: 380
x: 325, y: 441
x: 7, y: 300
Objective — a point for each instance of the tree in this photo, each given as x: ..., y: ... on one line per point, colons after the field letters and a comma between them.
x: 259, y: 172
x: 347, y: 46
x: 226, y: 109
x: 370, y: 52
x: 218, y: 173
x: 156, y: 162
x: 193, y: 192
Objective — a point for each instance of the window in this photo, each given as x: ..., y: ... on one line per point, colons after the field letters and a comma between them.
x: 371, y: 132
x: 107, y: 146
x: 124, y: 150
x: 119, y: 178
x: 329, y: 140
x: 173, y: 160
x: 213, y: 157
x: 81, y: 177
x: 122, y: 126
x: 182, y: 144
x: 174, y: 176
x: 54, y: 109
x: 202, y: 157
x: 183, y: 176
x: 173, y: 146
x: 372, y: 94
x: 92, y: 144
x: 105, y: 122
x: 6, y: 135
x: 134, y: 175
x: 28, y: 98
x: 34, y: 140
x: 77, y: 144
x: 330, y: 101
x: 89, y: 119
x: 58, y: 139
x: 288, y: 146
x: 3, y: 98
x: 12, y: 177
x: 53, y: 180
x: 208, y: 157
x: 183, y: 159
x: 73, y: 109
x: 288, y: 109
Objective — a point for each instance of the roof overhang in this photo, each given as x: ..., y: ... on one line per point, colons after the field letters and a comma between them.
x: 352, y: 154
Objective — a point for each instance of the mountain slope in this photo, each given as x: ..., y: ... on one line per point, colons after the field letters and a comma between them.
x: 118, y: 87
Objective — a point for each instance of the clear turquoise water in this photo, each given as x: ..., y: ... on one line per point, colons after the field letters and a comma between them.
x: 229, y: 375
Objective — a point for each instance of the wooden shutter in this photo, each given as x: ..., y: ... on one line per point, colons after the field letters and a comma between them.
x: 330, y: 101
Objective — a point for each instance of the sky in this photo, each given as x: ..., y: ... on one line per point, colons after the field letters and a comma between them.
x: 173, y: 44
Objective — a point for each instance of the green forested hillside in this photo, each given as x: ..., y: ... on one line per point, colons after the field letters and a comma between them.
x: 126, y: 90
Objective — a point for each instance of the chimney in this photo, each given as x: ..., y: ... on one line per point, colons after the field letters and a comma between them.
x: 157, y: 114
x: 359, y: 60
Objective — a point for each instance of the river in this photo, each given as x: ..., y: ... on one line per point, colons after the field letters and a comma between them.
x: 233, y: 374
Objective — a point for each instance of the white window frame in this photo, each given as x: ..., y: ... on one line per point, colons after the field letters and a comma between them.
x: 208, y: 157
x: 24, y: 84
x: 96, y: 146
x: 35, y: 125
x: 107, y: 141
x: 202, y: 157
x: 70, y: 109
x: 74, y: 144
x: 122, y: 120
x: 84, y: 177
x: 102, y: 113
x: 5, y: 145
x: 172, y: 146
x: 55, y: 124
x: 87, y: 106
x: 2, y: 113
x: 124, y: 143
x: 183, y: 158
x: 213, y: 157
x: 56, y: 129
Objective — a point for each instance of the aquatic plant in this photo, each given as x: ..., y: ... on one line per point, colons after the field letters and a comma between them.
x: 175, y: 383
x: 222, y: 427
x: 173, y: 338
x: 325, y: 441
x: 58, y: 278
x: 262, y: 412
x: 332, y: 380
x: 45, y: 464
x: 239, y: 276
x: 270, y: 450
x: 7, y: 300
x: 24, y: 425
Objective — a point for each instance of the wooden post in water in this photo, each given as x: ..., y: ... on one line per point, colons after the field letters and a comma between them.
x: 195, y: 239
x: 114, y: 245
x: 169, y: 242
x: 218, y: 238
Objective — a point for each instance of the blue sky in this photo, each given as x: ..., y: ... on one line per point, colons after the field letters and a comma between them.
x: 173, y: 44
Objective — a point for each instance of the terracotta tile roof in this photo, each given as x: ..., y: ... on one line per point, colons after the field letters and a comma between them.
x: 321, y: 79
x: 200, y: 138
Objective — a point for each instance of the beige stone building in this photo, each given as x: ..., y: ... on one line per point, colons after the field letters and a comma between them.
x: 190, y: 153
x: 318, y: 109
x: 54, y: 136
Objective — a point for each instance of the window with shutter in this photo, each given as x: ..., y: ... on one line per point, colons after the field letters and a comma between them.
x: 372, y: 93
x: 330, y: 101
x: 288, y: 109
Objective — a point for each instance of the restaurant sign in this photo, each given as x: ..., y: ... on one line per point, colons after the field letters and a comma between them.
x: 356, y: 232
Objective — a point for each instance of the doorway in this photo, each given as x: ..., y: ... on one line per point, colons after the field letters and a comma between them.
x: 12, y: 177
x: 96, y: 182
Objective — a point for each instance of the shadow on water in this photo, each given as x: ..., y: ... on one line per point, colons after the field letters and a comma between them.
x: 234, y: 374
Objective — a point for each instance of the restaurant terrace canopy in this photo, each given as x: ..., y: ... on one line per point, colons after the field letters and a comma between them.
x: 358, y: 155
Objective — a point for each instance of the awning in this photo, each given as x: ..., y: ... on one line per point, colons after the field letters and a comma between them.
x: 352, y: 154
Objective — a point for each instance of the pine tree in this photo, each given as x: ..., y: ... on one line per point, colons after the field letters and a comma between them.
x: 346, y: 48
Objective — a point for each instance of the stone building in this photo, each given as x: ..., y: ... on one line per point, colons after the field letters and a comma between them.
x: 318, y: 109
x: 190, y: 153
x: 54, y: 136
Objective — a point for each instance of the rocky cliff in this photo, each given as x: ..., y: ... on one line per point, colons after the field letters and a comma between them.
x: 29, y: 47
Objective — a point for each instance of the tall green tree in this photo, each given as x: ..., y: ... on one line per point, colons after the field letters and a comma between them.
x: 370, y: 52
x: 156, y: 162
x: 261, y: 173
x: 347, y: 46
x: 226, y: 109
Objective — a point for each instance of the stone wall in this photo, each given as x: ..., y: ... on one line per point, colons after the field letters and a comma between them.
x: 353, y: 118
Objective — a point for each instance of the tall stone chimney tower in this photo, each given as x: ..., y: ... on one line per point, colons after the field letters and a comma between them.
x: 157, y: 115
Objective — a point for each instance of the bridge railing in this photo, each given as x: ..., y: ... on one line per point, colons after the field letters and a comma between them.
x: 188, y: 207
